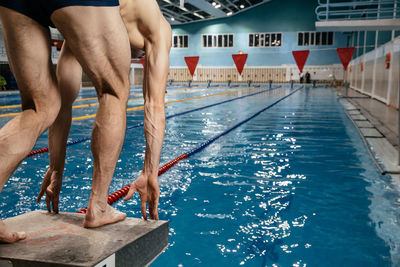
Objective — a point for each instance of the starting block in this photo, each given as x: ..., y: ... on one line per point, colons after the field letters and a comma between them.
x: 60, y: 240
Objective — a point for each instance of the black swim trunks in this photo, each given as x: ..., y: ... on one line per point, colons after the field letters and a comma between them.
x: 41, y: 10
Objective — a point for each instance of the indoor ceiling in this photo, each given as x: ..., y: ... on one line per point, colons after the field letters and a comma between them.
x: 186, y: 11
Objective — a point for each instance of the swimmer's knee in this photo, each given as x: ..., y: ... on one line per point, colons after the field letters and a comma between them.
x: 47, y: 111
x: 117, y: 87
x: 48, y: 115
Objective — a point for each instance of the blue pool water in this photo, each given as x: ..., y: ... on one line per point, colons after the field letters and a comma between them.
x: 292, y: 187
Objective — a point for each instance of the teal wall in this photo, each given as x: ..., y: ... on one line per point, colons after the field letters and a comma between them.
x: 288, y: 17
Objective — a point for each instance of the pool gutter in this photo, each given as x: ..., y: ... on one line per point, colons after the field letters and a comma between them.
x: 382, y: 152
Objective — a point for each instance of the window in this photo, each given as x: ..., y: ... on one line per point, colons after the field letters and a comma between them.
x: 324, y: 38
x: 306, y: 38
x: 315, y: 38
x: 300, y: 39
x: 180, y: 41
x: 218, y: 40
x: 330, y: 37
x: 265, y: 39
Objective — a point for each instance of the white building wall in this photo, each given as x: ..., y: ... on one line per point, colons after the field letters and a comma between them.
x: 376, y: 80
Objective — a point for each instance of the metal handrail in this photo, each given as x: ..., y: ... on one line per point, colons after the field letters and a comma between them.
x: 363, y: 9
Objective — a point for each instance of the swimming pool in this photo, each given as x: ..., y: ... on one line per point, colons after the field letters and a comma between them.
x: 292, y: 187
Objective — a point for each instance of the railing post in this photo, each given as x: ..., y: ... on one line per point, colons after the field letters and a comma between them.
x: 327, y: 10
x: 398, y: 120
x: 394, y: 17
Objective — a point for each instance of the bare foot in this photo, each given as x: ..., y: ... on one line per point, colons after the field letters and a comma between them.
x: 96, y: 217
x: 9, y: 237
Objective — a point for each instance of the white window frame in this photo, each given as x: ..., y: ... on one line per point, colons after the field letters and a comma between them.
x: 264, y: 33
x: 214, y: 38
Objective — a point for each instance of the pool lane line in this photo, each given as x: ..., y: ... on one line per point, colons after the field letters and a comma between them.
x: 94, y: 98
x: 84, y: 139
x: 114, y: 197
x: 140, y: 98
x: 133, y: 108
x: 76, y: 100
x: 197, y: 90
x: 166, y: 103
x: 96, y: 103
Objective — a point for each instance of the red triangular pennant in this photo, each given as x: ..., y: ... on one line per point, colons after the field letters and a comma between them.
x: 300, y: 57
x: 142, y: 60
x: 345, y: 55
x: 240, y: 61
x: 191, y: 63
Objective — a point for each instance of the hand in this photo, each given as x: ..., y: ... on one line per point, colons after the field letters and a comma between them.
x: 149, y: 192
x: 51, y: 185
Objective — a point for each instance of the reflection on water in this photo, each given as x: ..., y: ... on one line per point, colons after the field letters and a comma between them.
x: 292, y: 187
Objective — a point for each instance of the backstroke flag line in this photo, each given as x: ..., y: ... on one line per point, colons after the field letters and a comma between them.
x: 240, y: 61
x: 300, y: 57
x: 191, y: 63
x: 345, y: 54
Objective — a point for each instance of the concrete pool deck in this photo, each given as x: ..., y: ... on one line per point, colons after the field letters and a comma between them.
x: 60, y: 240
x: 378, y: 123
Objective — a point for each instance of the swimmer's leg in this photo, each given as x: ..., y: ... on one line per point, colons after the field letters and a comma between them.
x: 69, y: 76
x: 98, y: 39
x: 28, y: 50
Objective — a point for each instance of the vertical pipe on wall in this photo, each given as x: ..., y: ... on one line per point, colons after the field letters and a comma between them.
x: 364, y: 52
x: 365, y: 42
x: 374, y: 78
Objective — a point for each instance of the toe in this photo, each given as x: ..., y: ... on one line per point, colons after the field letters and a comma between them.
x: 21, y: 235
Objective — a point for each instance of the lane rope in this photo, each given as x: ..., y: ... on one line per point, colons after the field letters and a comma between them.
x: 13, y: 114
x: 84, y: 139
x: 197, y: 89
x: 114, y: 197
x: 166, y: 103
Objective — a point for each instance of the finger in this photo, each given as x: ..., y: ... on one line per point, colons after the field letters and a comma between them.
x: 45, y: 184
x: 151, y: 209
x: 155, y: 209
x: 41, y: 193
x: 143, y: 208
x: 48, y: 203
x: 131, y: 191
x: 55, y: 201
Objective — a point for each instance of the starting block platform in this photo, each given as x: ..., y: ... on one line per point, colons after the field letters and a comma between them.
x: 60, y: 240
